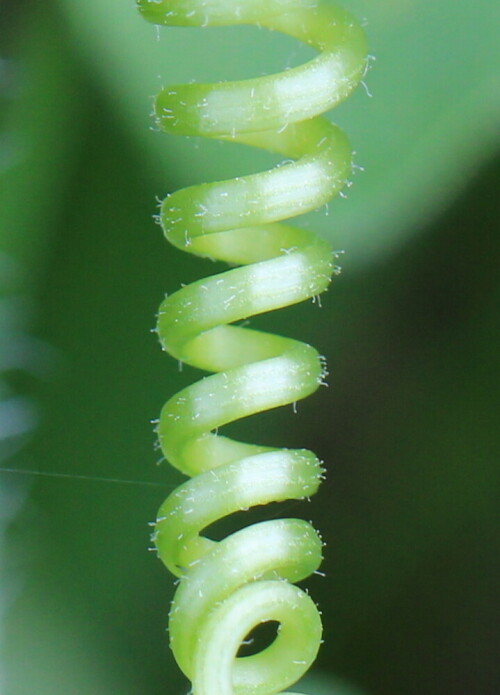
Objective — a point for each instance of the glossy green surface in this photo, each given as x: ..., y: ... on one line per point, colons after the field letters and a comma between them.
x: 228, y: 587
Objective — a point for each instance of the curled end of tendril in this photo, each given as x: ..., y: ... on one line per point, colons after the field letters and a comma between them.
x: 228, y: 587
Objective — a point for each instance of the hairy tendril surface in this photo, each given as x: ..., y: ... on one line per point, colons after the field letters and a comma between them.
x: 229, y: 587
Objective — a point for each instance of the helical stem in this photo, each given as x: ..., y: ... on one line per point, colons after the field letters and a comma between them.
x: 229, y: 587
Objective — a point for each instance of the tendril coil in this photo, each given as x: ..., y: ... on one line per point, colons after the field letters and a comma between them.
x: 229, y: 587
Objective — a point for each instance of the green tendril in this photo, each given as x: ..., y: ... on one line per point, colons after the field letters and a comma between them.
x: 228, y: 587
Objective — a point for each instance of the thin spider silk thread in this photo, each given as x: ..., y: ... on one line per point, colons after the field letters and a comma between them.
x: 229, y: 587
x: 79, y: 476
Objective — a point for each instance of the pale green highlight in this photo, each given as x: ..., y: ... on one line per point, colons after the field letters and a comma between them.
x: 228, y: 587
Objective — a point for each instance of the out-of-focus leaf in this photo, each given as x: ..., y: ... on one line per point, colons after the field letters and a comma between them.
x: 50, y: 651
x: 39, y: 127
x: 404, y: 440
x: 433, y: 117
x: 88, y: 555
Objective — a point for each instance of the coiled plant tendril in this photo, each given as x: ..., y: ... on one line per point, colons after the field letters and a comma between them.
x: 229, y: 587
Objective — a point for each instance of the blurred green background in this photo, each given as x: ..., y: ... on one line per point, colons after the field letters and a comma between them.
x: 408, y: 426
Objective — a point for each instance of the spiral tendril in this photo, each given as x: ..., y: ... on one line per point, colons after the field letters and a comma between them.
x: 230, y: 586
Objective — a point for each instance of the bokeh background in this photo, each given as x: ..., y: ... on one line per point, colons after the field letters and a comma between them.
x: 408, y: 426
